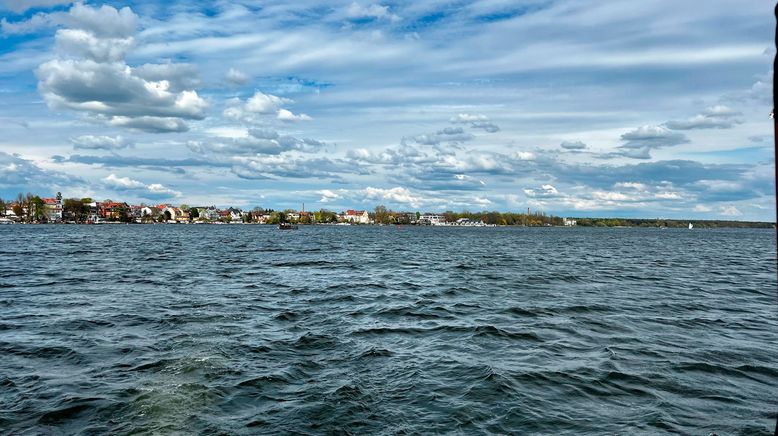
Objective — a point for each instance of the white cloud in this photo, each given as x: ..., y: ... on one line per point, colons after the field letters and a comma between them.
x: 328, y: 195
x: 397, y: 195
x: 261, y: 103
x: 123, y: 183
x: 151, y: 191
x: 92, y: 142
x: 356, y: 11
x: 256, y: 107
x: 237, y: 77
x: 286, y: 115
x: 90, y: 76
x: 476, y: 122
x: 255, y: 142
x: 730, y: 210
x: 468, y: 118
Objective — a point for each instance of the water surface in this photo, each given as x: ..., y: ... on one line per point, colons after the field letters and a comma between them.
x: 250, y: 330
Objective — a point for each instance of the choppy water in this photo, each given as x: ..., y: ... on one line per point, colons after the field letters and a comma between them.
x: 250, y: 330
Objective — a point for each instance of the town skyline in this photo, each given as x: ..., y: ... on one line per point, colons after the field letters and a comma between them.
x: 432, y: 107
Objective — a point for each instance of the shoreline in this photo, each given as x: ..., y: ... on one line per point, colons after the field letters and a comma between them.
x: 698, y: 225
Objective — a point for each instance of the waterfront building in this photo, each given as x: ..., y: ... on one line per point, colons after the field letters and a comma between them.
x: 569, y: 222
x: 52, y: 208
x: 112, y: 210
x: 432, y: 220
x: 356, y: 216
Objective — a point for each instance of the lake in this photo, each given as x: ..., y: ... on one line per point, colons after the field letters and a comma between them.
x: 363, y: 330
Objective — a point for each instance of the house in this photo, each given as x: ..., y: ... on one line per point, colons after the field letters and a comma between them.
x: 356, y: 216
x: 432, y: 220
x: 9, y: 211
x: 113, y: 210
x: 235, y: 214
x: 208, y: 213
x: 569, y: 222
x: 52, y: 208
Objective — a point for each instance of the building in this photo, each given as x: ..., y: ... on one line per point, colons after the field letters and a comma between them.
x: 52, y: 208
x: 432, y: 220
x: 569, y: 222
x: 113, y: 210
x: 356, y: 216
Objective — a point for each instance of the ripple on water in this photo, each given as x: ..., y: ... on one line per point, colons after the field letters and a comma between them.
x: 361, y: 330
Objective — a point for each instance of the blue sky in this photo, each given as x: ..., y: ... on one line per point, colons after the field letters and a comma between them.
x: 572, y: 107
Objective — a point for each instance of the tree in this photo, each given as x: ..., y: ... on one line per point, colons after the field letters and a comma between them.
x: 167, y: 216
x: 74, y: 209
x: 381, y: 214
x: 38, y: 211
x: 194, y: 213
x: 2, y: 207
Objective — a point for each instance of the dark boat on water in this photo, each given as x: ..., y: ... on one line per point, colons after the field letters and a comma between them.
x: 287, y: 226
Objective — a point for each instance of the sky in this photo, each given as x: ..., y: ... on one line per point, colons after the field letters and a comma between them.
x: 571, y: 107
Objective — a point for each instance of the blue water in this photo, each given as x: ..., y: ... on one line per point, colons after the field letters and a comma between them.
x: 363, y: 330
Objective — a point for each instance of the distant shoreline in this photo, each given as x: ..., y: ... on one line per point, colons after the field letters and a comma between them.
x: 671, y: 224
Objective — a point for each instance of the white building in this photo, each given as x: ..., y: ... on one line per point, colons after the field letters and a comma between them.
x: 569, y: 222
x: 432, y: 220
x: 356, y: 216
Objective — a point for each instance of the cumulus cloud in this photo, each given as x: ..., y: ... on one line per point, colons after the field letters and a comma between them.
x: 90, y: 75
x: 289, y: 116
x: 372, y: 11
x: 638, y: 143
x: 328, y: 196
x: 476, y: 122
x: 236, y: 77
x: 150, y: 191
x: 258, y: 141
x: 573, y: 145
x: 259, y: 105
x: 715, y: 117
x: 397, y: 195
x: 92, y: 142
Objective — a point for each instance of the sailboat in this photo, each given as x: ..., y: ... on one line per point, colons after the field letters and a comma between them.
x: 691, y: 226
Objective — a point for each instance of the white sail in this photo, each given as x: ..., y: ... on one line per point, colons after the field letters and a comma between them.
x: 691, y: 226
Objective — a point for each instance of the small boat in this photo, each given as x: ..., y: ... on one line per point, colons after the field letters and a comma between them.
x: 287, y: 226
x: 691, y: 226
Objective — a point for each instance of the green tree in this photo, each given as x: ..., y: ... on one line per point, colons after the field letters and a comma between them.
x: 38, y: 211
x: 194, y: 213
